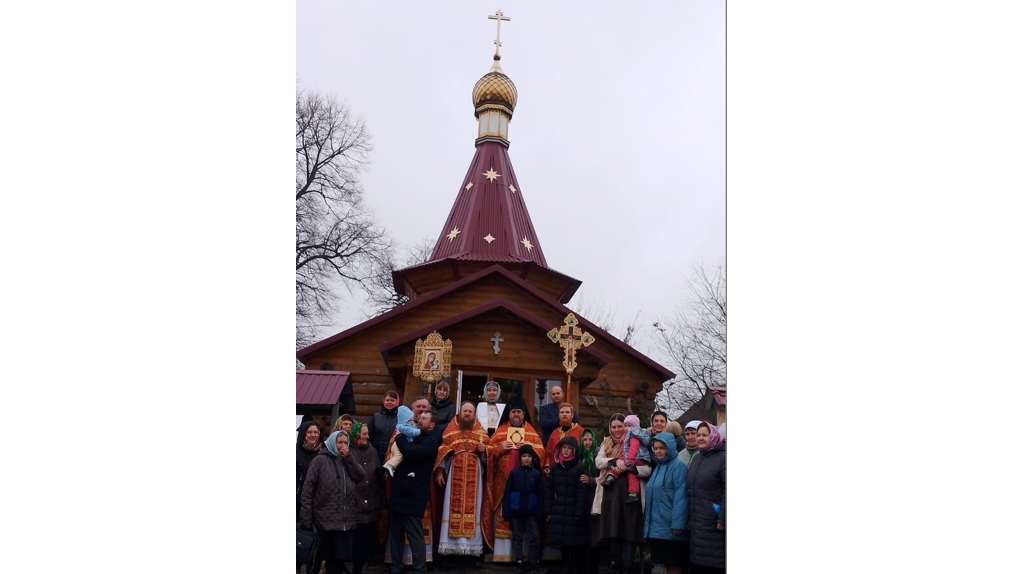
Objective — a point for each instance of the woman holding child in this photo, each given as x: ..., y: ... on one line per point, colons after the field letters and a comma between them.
x: 621, y: 524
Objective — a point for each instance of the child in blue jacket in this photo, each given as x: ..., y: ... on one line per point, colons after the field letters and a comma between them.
x: 522, y: 505
x: 406, y: 427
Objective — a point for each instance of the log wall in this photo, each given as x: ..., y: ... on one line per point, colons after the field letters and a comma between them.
x: 526, y: 350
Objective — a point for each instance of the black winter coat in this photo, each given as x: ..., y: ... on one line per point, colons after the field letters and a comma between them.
x: 381, y: 426
x: 329, y: 493
x: 565, y: 503
x: 410, y: 494
x: 369, y: 492
x: 302, y: 460
x: 445, y: 412
x: 705, y: 482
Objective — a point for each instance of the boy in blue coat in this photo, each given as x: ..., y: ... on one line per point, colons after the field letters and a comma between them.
x: 522, y: 504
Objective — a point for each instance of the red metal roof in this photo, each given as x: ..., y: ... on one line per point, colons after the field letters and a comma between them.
x: 719, y: 394
x: 319, y: 387
x: 489, y: 207
x: 494, y: 270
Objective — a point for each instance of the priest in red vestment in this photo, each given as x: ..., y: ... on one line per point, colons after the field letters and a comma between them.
x: 514, y: 430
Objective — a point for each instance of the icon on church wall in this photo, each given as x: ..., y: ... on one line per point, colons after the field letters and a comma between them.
x: 433, y: 358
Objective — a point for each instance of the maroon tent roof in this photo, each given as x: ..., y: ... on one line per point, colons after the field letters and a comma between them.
x: 319, y: 387
x: 489, y: 220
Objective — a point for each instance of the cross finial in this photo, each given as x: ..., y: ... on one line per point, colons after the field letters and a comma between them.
x: 499, y: 16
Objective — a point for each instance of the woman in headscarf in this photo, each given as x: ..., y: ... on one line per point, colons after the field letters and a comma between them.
x: 328, y: 496
x: 666, y: 513
x: 307, y: 446
x: 369, y: 497
x: 706, y: 492
x: 441, y: 403
x: 490, y: 410
x: 343, y: 423
x: 621, y: 525
x: 589, y: 448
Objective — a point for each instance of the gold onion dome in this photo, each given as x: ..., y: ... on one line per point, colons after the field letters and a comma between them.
x: 494, y: 91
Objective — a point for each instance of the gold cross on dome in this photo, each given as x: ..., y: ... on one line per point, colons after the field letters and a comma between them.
x: 571, y: 337
x: 499, y: 16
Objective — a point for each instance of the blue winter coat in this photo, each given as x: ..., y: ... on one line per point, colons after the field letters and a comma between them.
x: 524, y: 493
x: 667, y: 502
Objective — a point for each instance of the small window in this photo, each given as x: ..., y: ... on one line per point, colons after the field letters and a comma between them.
x: 492, y: 126
x: 504, y: 127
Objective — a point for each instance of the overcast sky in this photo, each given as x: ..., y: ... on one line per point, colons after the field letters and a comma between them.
x: 618, y: 137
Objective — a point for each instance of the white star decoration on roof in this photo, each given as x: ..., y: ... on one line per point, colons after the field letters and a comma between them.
x: 454, y: 232
x: 526, y: 243
x: 491, y: 174
x: 488, y: 238
x: 512, y: 187
x: 469, y: 185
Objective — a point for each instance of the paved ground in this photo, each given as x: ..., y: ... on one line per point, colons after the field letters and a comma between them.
x: 463, y: 566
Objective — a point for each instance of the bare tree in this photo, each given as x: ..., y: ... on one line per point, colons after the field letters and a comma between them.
x: 597, y: 313
x: 380, y: 288
x: 338, y: 242
x: 694, y: 340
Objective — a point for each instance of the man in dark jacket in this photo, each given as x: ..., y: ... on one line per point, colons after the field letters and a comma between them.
x: 382, y: 425
x: 410, y: 492
x: 549, y: 414
x: 523, y: 505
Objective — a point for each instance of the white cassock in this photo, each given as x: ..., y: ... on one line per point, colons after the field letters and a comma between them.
x: 489, y: 414
x: 465, y: 546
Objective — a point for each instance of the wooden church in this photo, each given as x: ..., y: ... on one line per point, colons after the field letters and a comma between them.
x: 488, y: 289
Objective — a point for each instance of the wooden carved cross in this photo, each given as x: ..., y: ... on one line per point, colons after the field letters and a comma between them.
x: 571, y: 337
x: 497, y: 339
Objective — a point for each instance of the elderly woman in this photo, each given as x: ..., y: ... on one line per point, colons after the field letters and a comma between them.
x: 666, y: 513
x: 621, y: 525
x: 441, y: 403
x: 706, y: 491
x: 328, y: 496
x: 369, y: 497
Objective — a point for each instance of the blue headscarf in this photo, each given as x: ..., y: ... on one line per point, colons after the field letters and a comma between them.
x: 332, y: 443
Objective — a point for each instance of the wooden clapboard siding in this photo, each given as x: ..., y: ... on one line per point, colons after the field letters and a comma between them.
x: 525, y: 350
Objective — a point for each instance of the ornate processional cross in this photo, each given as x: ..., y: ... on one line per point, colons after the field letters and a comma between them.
x: 497, y: 42
x: 571, y: 337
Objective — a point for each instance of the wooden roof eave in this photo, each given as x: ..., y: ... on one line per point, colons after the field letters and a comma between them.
x: 513, y: 279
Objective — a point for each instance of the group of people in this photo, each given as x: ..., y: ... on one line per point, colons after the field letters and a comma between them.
x: 447, y: 481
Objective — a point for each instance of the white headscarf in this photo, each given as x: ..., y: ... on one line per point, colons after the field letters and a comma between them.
x: 692, y: 425
x: 487, y: 386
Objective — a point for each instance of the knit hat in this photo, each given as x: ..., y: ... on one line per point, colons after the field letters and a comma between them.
x: 632, y: 421
x: 526, y: 449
